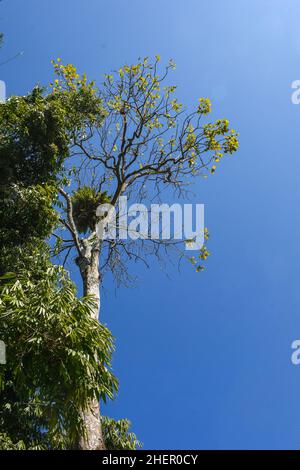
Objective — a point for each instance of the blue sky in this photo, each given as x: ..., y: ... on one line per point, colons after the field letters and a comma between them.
x: 203, y: 359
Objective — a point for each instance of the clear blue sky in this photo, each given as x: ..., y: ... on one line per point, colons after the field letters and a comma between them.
x: 203, y: 359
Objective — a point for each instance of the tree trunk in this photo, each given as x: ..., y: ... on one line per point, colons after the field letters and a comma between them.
x: 89, y: 268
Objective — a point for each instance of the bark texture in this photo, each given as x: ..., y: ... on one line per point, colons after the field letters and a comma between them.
x: 89, y: 268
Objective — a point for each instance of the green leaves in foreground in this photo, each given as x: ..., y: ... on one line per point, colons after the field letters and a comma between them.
x: 117, y: 436
x: 58, y: 358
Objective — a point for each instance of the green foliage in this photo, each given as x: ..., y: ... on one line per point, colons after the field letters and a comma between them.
x: 26, y: 217
x: 117, y: 436
x: 115, y: 433
x: 79, y: 99
x: 26, y: 212
x: 33, y: 141
x: 7, y: 444
x: 57, y: 357
x: 85, y: 202
x: 37, y: 130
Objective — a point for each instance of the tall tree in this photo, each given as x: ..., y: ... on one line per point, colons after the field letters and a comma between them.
x: 141, y: 143
x: 130, y: 137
